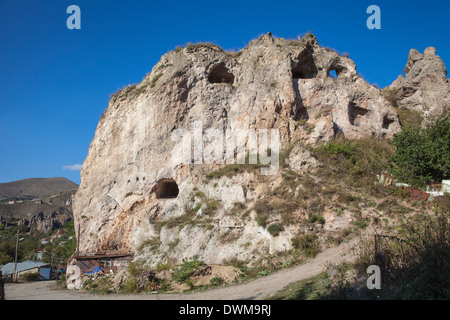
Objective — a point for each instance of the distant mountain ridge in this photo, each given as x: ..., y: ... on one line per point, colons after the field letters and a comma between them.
x: 35, y: 188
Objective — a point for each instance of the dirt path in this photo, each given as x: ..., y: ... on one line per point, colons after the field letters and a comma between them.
x: 264, y: 287
x: 260, y: 288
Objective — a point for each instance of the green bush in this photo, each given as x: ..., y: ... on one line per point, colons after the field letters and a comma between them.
x: 422, y: 154
x: 217, y: 281
x: 130, y: 286
x: 338, y: 148
x: 307, y: 244
x: 263, y: 273
x: 316, y: 219
x: 354, y: 162
x: 261, y: 219
x: 275, y: 229
x: 184, y: 271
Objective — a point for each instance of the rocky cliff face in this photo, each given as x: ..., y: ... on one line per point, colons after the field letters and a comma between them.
x: 425, y: 86
x: 41, y: 215
x: 133, y: 195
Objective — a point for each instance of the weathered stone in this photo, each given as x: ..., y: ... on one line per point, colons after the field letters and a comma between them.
x: 271, y: 84
x: 300, y: 159
x: 425, y: 88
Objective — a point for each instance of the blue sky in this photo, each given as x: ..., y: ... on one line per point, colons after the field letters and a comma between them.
x: 55, y: 82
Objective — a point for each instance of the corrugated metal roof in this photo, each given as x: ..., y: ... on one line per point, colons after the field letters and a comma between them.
x: 102, y: 254
x: 21, y: 266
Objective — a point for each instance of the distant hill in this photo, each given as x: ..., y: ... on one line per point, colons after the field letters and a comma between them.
x: 35, y: 188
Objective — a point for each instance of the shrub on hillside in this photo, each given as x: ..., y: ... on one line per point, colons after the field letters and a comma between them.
x: 184, y: 271
x: 422, y: 154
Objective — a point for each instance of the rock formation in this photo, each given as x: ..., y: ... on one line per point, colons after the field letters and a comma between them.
x: 133, y: 197
x: 41, y: 215
x: 425, y: 87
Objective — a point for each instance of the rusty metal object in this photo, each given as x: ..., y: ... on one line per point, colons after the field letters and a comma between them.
x: 418, y: 194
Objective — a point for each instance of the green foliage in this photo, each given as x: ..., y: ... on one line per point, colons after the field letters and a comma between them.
x: 262, y: 208
x: 352, y: 165
x: 263, y: 273
x: 422, y: 154
x: 360, y: 157
x: 275, y: 229
x: 261, y: 219
x: 309, y: 127
x: 155, y: 79
x: 135, y: 268
x: 151, y: 244
x: 316, y: 219
x: 307, y: 244
x: 338, y: 148
x: 211, y: 207
x: 62, y: 246
x: 130, y: 286
x: 217, y: 281
x: 183, y: 272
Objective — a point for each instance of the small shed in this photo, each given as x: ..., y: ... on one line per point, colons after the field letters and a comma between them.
x: 105, y: 260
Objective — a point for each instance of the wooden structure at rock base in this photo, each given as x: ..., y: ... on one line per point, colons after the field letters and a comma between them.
x: 105, y: 260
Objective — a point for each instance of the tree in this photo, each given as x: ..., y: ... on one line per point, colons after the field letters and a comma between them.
x: 423, y: 154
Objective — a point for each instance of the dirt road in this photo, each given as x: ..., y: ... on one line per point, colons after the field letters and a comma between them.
x: 260, y: 288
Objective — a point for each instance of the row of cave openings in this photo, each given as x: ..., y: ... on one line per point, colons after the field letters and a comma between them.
x: 305, y: 68
x: 356, y: 113
x: 168, y: 188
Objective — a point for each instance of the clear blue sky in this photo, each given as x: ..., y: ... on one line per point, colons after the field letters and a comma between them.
x: 55, y: 82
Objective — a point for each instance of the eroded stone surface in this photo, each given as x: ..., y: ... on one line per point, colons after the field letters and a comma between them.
x: 425, y: 88
x: 271, y: 84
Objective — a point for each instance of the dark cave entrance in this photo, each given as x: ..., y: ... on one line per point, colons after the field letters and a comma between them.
x: 304, y: 66
x: 166, y: 189
x: 220, y: 74
x: 355, y: 113
x: 387, y: 122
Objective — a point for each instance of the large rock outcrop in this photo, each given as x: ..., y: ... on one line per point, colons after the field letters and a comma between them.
x: 133, y: 197
x: 425, y: 87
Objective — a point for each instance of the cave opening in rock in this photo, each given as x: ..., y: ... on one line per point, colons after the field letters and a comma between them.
x: 220, y: 74
x: 304, y: 67
x: 166, y: 189
x: 332, y: 74
x: 335, y: 70
x: 355, y: 113
x: 387, y: 122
